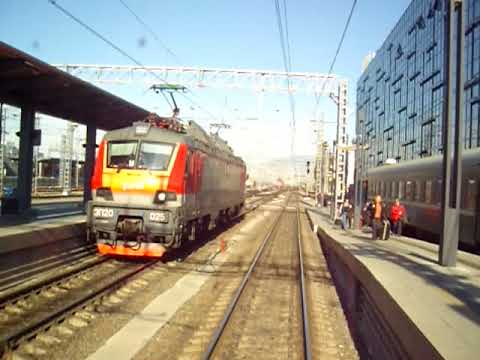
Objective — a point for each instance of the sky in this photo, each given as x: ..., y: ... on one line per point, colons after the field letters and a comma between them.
x: 214, y: 33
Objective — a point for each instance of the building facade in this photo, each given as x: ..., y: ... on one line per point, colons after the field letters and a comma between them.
x: 400, y: 95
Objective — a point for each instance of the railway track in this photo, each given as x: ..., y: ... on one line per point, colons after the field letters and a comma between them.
x: 32, y: 271
x: 41, y: 269
x: 29, y: 309
x: 268, y: 315
x: 32, y: 310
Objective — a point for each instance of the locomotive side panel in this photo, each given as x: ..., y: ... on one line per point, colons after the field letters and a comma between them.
x: 220, y: 188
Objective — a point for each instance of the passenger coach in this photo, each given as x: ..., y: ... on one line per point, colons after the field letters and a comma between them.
x: 418, y: 185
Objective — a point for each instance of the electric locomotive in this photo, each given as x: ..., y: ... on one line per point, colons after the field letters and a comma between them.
x: 159, y: 183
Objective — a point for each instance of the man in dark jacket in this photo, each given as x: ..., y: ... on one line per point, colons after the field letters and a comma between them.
x: 367, y: 213
x: 378, y: 217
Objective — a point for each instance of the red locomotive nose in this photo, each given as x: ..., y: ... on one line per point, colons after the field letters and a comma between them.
x: 176, y: 181
x: 98, y: 171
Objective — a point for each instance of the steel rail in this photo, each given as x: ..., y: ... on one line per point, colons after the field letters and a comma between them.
x: 15, y: 294
x: 306, y: 324
x: 231, y: 307
x: 65, y: 255
x: 13, y: 340
x: 29, y: 272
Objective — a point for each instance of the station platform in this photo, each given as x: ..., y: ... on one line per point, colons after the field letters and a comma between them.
x: 29, y: 231
x: 421, y: 309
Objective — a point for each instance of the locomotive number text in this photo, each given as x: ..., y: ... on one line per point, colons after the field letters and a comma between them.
x: 159, y: 217
x: 103, y: 212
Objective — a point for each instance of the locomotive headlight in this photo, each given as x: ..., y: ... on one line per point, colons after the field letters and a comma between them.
x: 161, y: 196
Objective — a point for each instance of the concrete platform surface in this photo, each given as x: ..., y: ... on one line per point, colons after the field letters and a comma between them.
x: 21, y: 232
x: 443, y: 303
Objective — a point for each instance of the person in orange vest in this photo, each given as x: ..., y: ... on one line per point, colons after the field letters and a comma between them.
x: 378, y: 218
x: 398, y: 215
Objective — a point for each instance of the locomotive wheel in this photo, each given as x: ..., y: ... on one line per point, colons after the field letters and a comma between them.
x: 228, y: 216
x: 204, y: 226
x: 177, y: 242
x: 192, y: 233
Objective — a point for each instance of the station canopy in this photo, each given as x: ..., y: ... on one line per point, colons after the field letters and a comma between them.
x: 25, y: 80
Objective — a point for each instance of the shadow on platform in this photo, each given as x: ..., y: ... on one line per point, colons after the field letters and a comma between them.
x: 455, y: 284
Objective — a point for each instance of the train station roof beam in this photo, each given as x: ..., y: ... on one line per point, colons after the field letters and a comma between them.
x: 25, y: 80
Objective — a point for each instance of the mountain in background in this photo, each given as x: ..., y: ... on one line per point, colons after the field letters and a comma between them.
x: 271, y: 170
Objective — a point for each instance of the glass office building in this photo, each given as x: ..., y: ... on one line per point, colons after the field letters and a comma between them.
x: 400, y: 95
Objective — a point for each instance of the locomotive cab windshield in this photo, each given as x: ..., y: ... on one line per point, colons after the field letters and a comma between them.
x: 145, y: 156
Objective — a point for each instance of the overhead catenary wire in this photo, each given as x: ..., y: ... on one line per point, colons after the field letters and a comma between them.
x: 342, y: 38
x: 123, y: 52
x: 286, y: 55
x: 150, y: 30
x: 287, y: 37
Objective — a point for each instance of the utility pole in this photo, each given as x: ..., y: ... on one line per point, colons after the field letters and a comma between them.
x: 452, y: 133
x: 66, y: 159
x: 339, y: 164
x: 358, y: 178
x: 325, y: 170
x: 319, y: 174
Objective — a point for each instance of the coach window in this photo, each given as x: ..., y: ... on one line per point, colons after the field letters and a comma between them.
x: 387, y: 189
x: 434, y: 191
x: 409, y: 193
x: 382, y: 188
x: 408, y: 190
x: 401, y: 189
x: 420, y: 191
x: 437, y: 189
x: 470, y: 191
x: 394, y: 192
x: 428, y: 192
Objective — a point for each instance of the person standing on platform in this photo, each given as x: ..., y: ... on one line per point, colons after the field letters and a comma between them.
x: 378, y: 212
x: 345, y: 213
x: 398, y: 215
x: 367, y: 216
x: 350, y: 216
